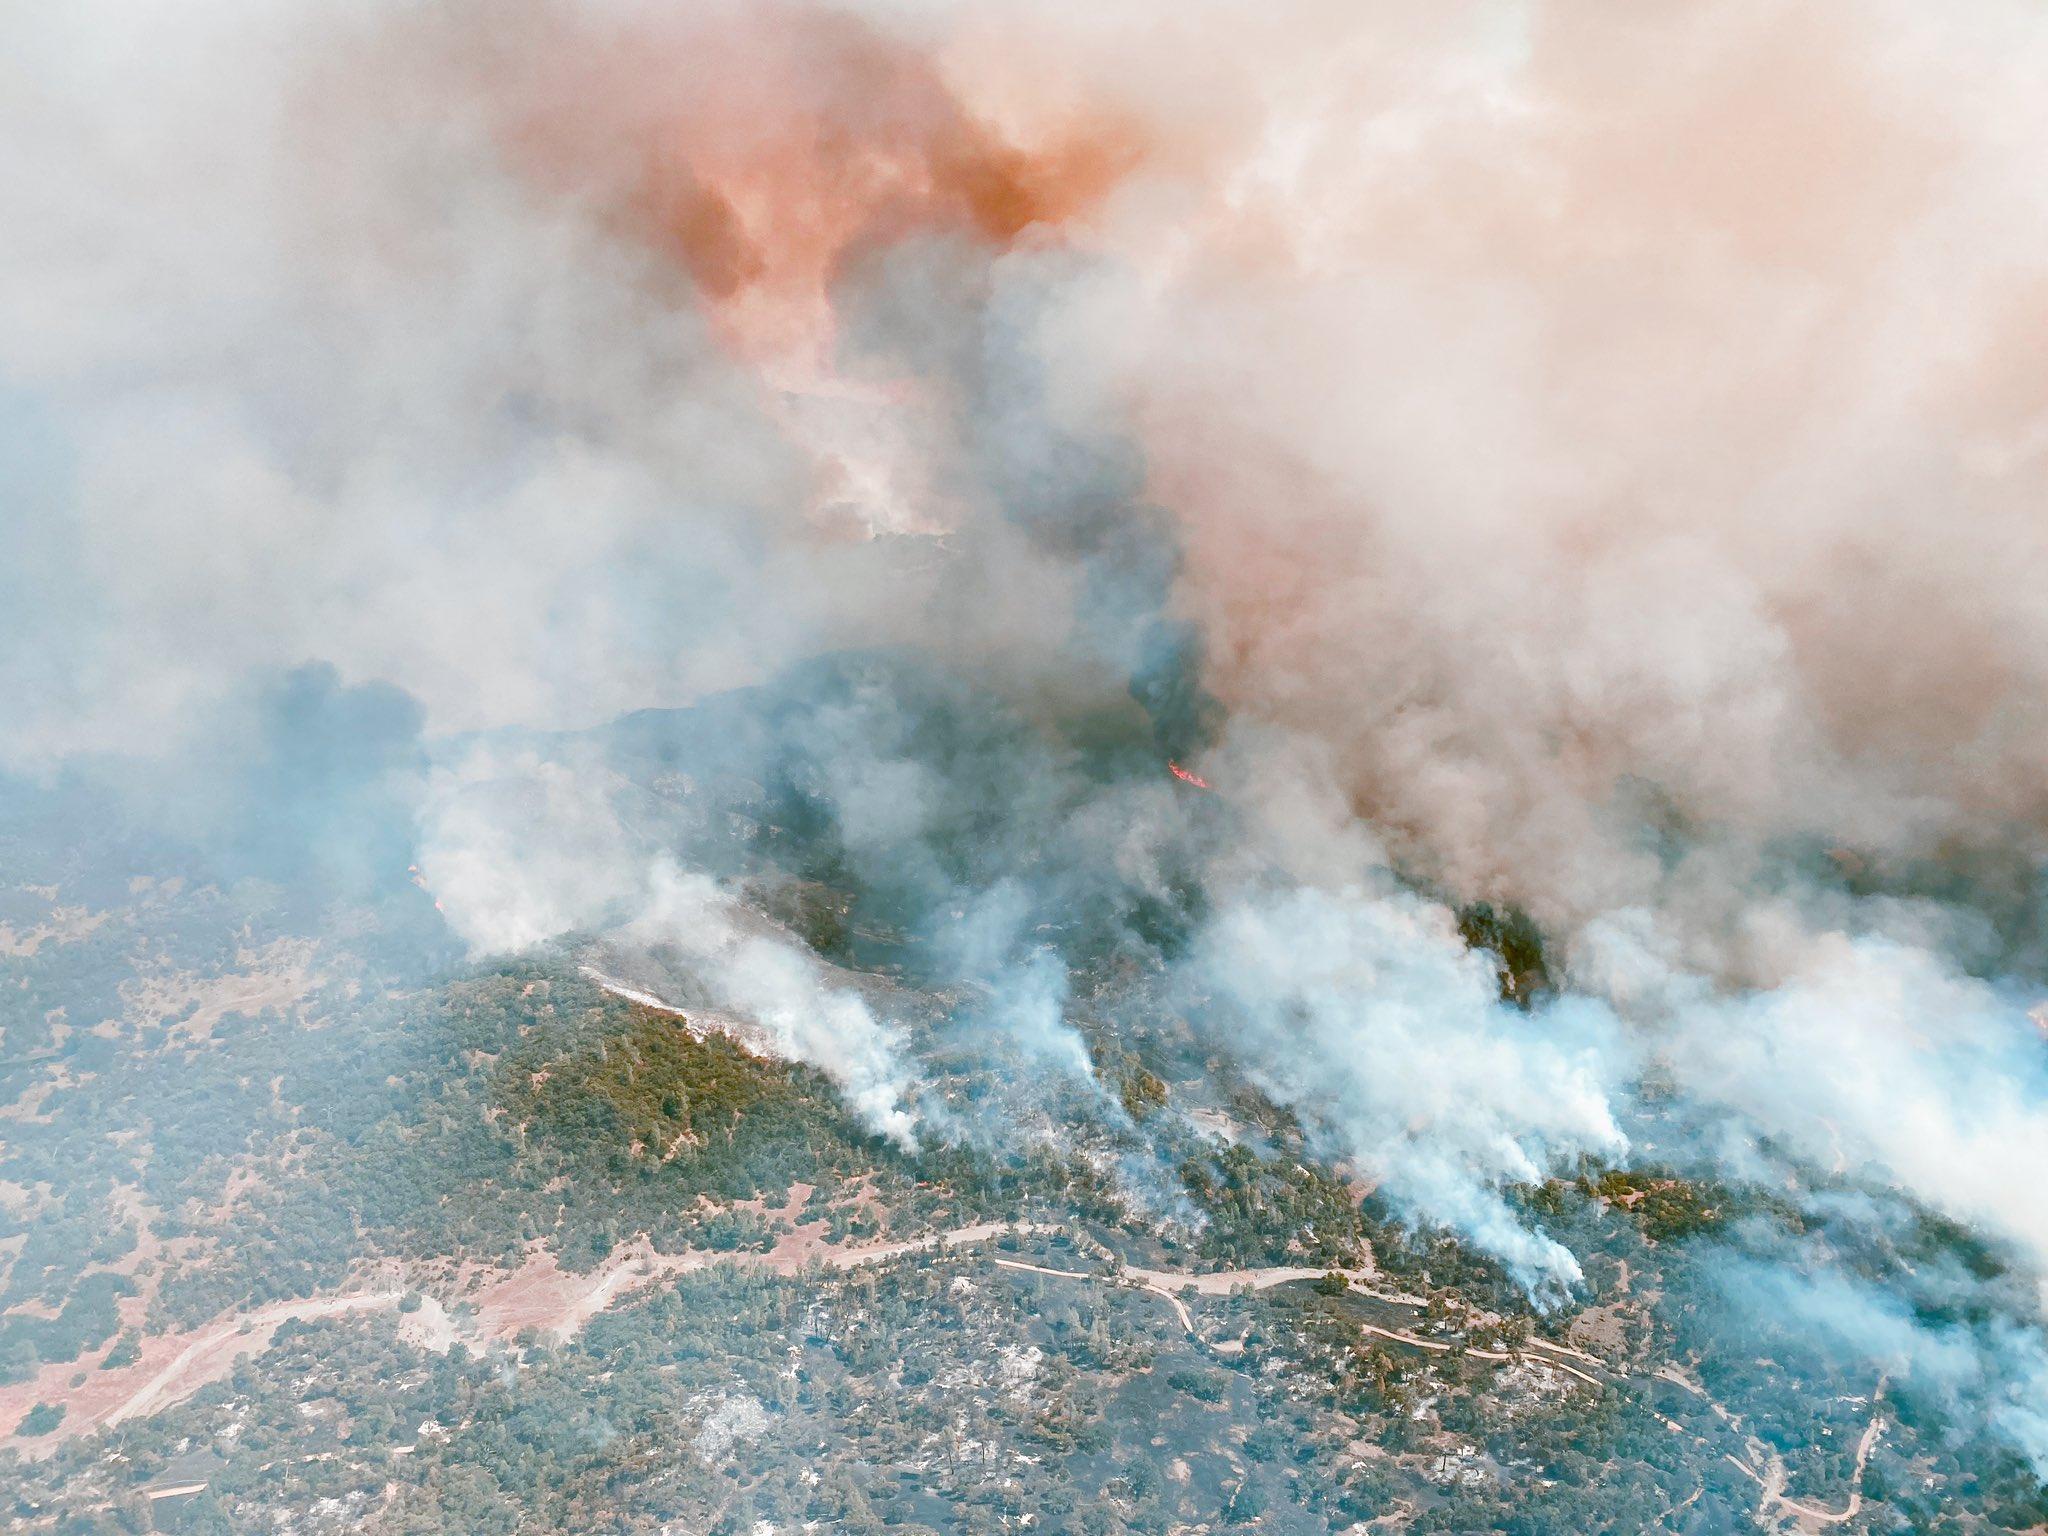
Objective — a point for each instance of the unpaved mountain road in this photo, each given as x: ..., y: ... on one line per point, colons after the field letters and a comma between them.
x: 1772, y: 1478
x: 217, y: 1348
x: 541, y: 1296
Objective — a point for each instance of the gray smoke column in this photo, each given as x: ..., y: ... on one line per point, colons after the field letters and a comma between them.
x: 520, y: 851
x: 780, y: 987
x: 1365, y: 1013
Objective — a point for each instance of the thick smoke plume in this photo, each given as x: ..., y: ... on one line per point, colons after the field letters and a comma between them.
x: 1581, y: 461
x: 525, y: 851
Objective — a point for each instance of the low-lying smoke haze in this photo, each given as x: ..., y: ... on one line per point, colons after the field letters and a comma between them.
x: 1580, y: 460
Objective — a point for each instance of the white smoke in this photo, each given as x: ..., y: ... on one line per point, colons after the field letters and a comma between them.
x: 520, y: 852
x: 1872, y: 1058
x: 781, y: 988
x: 1365, y: 1013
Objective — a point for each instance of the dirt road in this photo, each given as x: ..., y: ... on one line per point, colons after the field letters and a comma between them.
x: 542, y: 1296
x: 212, y: 1353
x: 1772, y: 1476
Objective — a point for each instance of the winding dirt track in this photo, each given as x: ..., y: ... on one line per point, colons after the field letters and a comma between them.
x: 216, y: 1350
x: 544, y: 1297
x: 560, y: 1303
x: 1772, y: 1478
x: 1167, y: 1284
x: 1180, y: 1307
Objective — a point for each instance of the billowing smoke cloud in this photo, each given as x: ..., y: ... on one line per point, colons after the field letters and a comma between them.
x: 1606, y: 447
x: 1612, y: 442
x: 779, y: 987
x: 524, y: 851
x: 1366, y: 1013
x: 1992, y: 1377
x: 1873, y: 1057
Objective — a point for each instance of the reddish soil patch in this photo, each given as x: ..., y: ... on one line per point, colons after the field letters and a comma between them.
x: 170, y: 1368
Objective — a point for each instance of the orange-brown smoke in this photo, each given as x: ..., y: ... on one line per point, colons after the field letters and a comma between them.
x: 1572, y: 421
x: 762, y: 153
x: 767, y: 149
x: 1583, y: 423
x: 1567, y: 417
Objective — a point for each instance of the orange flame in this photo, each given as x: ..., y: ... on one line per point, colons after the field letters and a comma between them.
x: 1190, y: 778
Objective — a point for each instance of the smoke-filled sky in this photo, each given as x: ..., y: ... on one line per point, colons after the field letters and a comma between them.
x: 1585, y: 459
